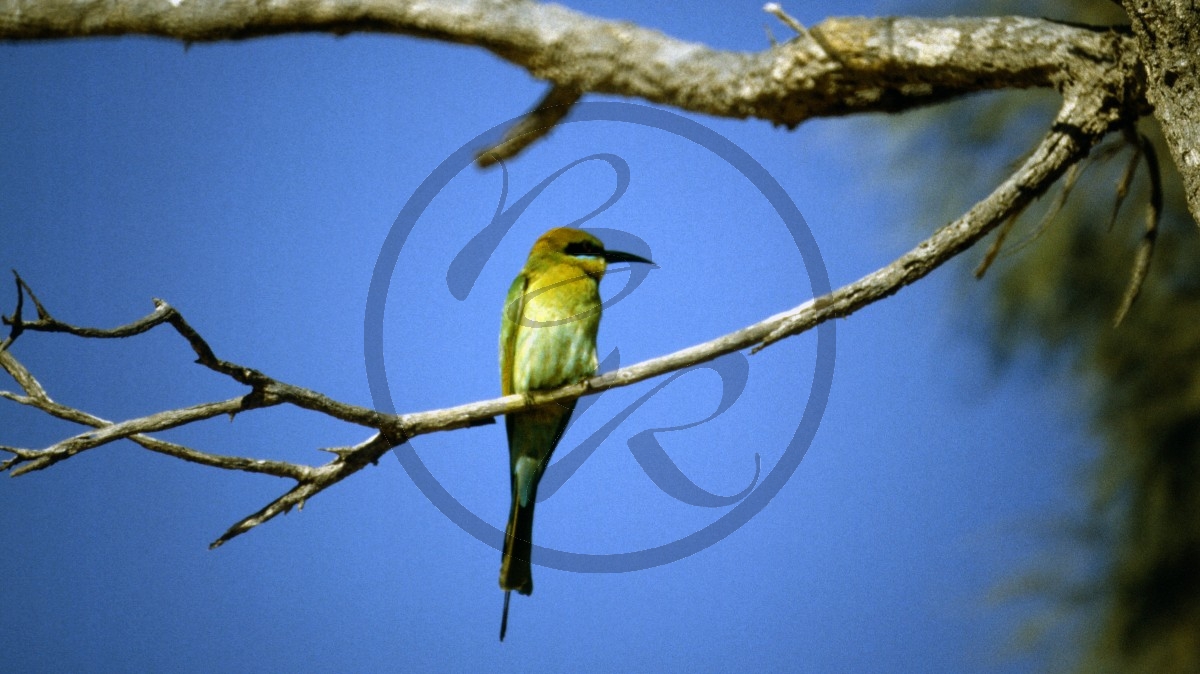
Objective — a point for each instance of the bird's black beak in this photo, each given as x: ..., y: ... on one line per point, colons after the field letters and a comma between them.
x: 618, y: 256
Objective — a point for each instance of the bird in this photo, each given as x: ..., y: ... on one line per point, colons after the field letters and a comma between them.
x: 547, y: 340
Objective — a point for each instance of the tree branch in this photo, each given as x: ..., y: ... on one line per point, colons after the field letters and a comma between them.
x: 1086, y: 116
x: 838, y: 67
x: 38, y: 398
x: 1168, y: 37
x: 536, y: 124
x: 1145, y: 250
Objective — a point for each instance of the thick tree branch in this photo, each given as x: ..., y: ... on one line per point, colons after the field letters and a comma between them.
x: 1168, y: 39
x: 840, y: 66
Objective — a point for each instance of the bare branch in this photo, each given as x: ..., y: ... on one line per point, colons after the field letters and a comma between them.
x: 266, y: 390
x: 269, y: 392
x: 1081, y: 123
x: 1052, y: 212
x: 18, y: 455
x: 1065, y: 144
x: 1126, y: 179
x: 788, y: 20
x: 39, y: 399
x: 282, y: 505
x: 1073, y: 174
x: 536, y: 124
x: 993, y: 250
x: 1064, y: 193
x: 155, y: 422
x: 1141, y: 260
x: 850, y: 65
x: 16, y: 325
x: 1083, y: 120
x: 22, y: 376
x: 350, y: 460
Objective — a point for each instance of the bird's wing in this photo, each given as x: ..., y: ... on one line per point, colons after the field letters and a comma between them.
x: 510, y: 322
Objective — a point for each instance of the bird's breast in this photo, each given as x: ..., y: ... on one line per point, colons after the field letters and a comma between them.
x: 556, y: 339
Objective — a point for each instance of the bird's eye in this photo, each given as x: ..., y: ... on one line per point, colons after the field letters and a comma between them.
x: 583, y: 249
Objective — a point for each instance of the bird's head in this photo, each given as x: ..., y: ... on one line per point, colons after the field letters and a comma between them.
x: 581, y: 249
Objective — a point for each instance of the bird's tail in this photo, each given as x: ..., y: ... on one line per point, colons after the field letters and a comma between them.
x: 515, y: 573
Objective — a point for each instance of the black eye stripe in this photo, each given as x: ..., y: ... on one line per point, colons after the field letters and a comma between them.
x: 583, y: 248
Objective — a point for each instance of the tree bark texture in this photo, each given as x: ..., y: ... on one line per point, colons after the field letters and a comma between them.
x: 1168, y: 43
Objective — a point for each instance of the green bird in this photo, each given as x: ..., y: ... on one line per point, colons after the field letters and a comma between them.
x: 547, y: 340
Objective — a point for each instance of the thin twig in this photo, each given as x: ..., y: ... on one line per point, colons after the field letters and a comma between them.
x: 1145, y: 251
x: 1125, y: 181
x: 16, y: 321
x: 1060, y: 200
x: 266, y: 388
x: 349, y: 462
x: 38, y: 399
x: 790, y: 21
x: 112, y: 432
x: 993, y: 250
x: 536, y: 124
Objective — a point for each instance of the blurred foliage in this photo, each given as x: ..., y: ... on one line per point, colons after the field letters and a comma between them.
x: 1058, y: 284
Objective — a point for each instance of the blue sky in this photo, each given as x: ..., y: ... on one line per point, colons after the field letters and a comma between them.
x: 252, y: 186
